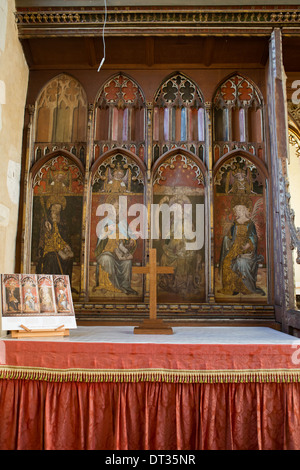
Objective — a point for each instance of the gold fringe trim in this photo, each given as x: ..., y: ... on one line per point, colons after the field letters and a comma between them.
x: 151, y: 375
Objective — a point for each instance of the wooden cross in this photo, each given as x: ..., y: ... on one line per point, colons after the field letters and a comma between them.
x: 152, y: 325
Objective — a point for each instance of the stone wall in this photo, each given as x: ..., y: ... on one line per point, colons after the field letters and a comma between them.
x: 13, y: 90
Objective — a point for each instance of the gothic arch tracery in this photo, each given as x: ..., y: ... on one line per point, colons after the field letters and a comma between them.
x: 178, y: 117
x: 61, y: 117
x: 238, y: 117
x: 120, y: 116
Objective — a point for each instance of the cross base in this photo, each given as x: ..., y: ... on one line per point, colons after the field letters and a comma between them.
x: 153, y: 327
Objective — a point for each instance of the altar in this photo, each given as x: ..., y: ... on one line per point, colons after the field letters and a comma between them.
x: 106, y: 388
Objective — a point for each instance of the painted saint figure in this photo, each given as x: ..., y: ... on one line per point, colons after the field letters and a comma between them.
x: 62, y: 301
x: 13, y: 301
x: 114, y: 258
x: 187, y: 263
x: 46, y: 300
x: 55, y: 253
x: 29, y: 301
x: 239, y: 259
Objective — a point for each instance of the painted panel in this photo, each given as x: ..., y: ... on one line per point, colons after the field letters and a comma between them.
x: 57, y: 220
x: 11, y: 294
x: 179, y: 183
x: 115, y: 245
x: 240, y: 232
x: 30, y: 297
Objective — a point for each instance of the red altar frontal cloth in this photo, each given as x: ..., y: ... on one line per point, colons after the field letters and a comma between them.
x: 124, y: 396
x: 73, y: 361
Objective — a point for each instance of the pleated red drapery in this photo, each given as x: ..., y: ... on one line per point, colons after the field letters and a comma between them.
x: 145, y: 415
x: 43, y: 406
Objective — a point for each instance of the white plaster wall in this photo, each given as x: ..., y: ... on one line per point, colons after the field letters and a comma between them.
x: 294, y: 179
x: 13, y: 90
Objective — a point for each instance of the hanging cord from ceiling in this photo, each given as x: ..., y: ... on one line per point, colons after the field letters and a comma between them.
x: 103, y: 38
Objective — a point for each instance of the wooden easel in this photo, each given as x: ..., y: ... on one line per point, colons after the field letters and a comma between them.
x: 152, y: 325
x: 27, y: 332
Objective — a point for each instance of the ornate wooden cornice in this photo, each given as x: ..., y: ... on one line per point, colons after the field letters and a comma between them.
x: 43, y: 22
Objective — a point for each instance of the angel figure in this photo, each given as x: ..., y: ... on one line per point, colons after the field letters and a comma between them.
x: 118, y: 179
x: 59, y: 180
x: 239, y: 258
x: 239, y: 181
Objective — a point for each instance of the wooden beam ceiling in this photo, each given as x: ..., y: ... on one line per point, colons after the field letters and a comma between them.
x: 144, y: 37
x: 146, y: 52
